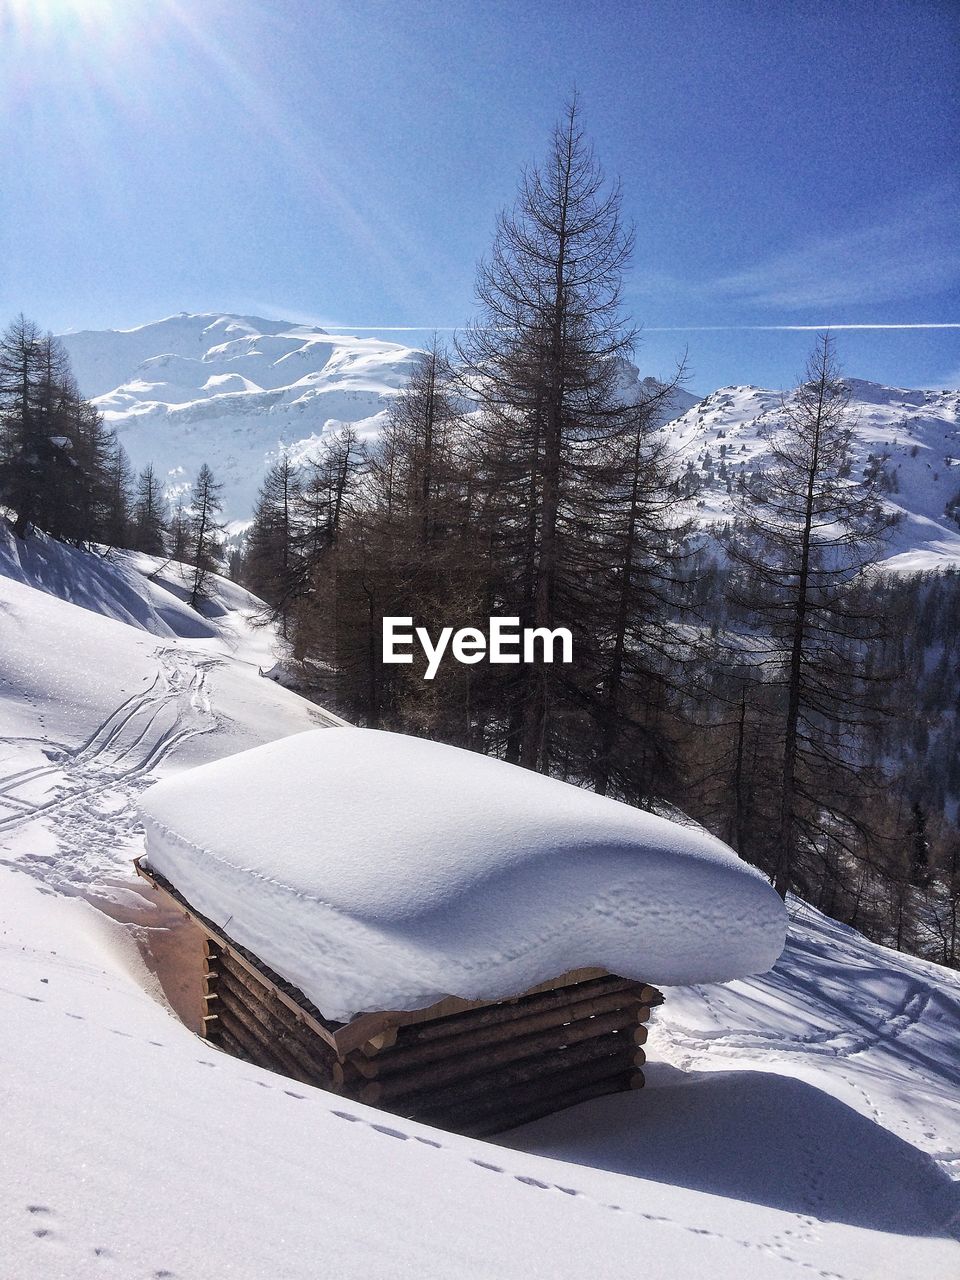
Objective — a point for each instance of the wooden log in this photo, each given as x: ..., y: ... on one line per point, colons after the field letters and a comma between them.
x: 549, y: 1092
x: 383, y: 1040
x: 485, y: 1040
x: 416, y: 1087
x: 263, y: 996
x: 235, y: 1014
x: 638, y: 1080
x: 640, y: 1034
x: 310, y: 1057
x: 228, y: 1044
x: 253, y: 1050
x: 286, y: 1052
x: 486, y: 1056
x: 521, y: 1007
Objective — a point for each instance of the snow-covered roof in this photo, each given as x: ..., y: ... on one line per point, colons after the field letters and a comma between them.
x: 377, y: 871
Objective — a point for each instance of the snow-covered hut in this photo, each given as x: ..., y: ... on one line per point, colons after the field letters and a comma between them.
x: 439, y: 933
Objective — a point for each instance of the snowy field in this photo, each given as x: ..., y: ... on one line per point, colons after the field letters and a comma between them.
x: 803, y: 1123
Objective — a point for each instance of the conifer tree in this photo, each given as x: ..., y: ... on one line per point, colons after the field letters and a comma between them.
x: 542, y: 360
x: 180, y: 532
x: 34, y: 443
x: 149, y: 513
x: 204, y: 544
x: 118, y: 496
x: 804, y: 553
x: 271, y: 567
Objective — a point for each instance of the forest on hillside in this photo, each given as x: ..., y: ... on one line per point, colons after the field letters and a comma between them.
x: 767, y: 681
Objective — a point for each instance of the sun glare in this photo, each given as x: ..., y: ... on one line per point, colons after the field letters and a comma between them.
x: 55, y: 19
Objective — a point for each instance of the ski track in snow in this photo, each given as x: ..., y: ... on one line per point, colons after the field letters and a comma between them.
x: 93, y: 786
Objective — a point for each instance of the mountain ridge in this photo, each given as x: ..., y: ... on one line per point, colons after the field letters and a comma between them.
x: 236, y: 391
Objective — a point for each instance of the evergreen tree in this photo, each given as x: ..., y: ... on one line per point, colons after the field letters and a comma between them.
x: 804, y: 553
x: 118, y: 497
x: 93, y: 454
x: 149, y: 513
x: 204, y: 545
x: 34, y: 441
x: 272, y: 568
x: 180, y: 532
x: 541, y: 359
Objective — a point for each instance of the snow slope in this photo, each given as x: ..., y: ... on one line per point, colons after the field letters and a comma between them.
x: 916, y: 432
x: 459, y: 874
x: 804, y: 1123
x: 107, y: 681
x: 131, y: 1149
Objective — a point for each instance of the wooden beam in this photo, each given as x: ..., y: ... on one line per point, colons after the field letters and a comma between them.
x: 510, y: 1117
x: 479, y: 1033
x: 478, y: 1052
x: 459, y: 1080
x: 300, y: 1061
x: 500, y: 1109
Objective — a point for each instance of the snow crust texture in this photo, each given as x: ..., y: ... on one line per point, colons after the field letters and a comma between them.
x: 377, y: 871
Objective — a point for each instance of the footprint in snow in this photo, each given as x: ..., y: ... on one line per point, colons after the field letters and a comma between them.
x: 391, y: 1133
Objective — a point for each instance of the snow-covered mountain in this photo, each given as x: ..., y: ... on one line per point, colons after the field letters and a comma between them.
x: 232, y: 391
x: 235, y: 390
x: 915, y: 435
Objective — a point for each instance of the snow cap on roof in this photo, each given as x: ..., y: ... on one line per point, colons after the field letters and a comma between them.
x: 377, y: 871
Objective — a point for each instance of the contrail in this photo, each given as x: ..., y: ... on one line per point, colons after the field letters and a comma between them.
x: 393, y: 328
x: 787, y: 328
x: 682, y: 328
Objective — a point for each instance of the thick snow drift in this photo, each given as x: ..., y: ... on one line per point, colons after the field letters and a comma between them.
x: 377, y: 871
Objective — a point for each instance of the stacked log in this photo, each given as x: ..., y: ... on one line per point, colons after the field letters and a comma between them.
x: 477, y: 1072
x: 470, y: 1066
x: 502, y: 1064
x: 246, y: 1017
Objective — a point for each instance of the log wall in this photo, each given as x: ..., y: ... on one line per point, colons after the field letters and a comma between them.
x: 478, y: 1072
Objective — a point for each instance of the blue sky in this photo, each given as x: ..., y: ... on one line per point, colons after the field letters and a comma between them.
x: 789, y: 164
